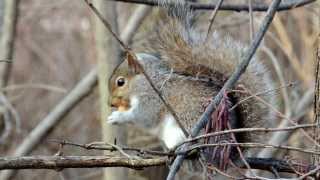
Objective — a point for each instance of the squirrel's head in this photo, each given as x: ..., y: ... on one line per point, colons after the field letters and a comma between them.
x: 119, y: 86
x: 127, y: 80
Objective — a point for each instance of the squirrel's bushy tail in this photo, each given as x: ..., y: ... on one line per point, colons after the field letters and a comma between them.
x: 186, y: 49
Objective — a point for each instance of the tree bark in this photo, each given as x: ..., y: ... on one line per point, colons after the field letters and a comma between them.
x: 108, y: 52
x: 8, y: 23
x: 316, y: 158
x: 7, y: 38
x: 59, y: 162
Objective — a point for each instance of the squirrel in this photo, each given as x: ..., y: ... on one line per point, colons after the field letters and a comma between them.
x: 188, y: 69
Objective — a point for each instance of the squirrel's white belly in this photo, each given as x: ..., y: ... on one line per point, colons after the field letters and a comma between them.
x: 171, y: 133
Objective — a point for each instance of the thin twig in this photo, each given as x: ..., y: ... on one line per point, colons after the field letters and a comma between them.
x: 48, y: 87
x: 251, y: 20
x: 91, y: 146
x: 167, y: 105
x: 287, y: 45
x: 283, y: 116
x: 7, y: 123
x: 314, y: 171
x: 250, y: 145
x: 114, y: 146
x: 241, y: 130
x: 213, y: 15
x: 106, y: 24
x: 271, y: 164
x: 299, y: 110
x: 7, y: 104
x: 222, y: 173
x: 316, y: 99
x: 258, y: 94
x: 280, y: 75
x: 134, y: 23
x: 241, y: 155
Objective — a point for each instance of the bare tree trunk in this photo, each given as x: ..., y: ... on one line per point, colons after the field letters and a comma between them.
x: 7, y: 38
x: 1, y: 15
x: 8, y: 21
x: 2, y: 124
x: 108, y: 52
x: 316, y: 158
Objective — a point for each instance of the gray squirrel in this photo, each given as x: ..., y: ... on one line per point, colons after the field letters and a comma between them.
x: 188, y: 69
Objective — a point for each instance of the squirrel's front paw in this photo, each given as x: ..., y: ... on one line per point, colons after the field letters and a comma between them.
x: 116, y: 117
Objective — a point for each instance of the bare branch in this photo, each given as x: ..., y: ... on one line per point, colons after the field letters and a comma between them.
x: 47, y: 87
x: 250, y: 145
x: 61, y: 162
x: 213, y: 15
x: 285, y: 5
x: 7, y: 126
x: 314, y: 171
x: 316, y: 107
x: 251, y: 20
x: 280, y: 114
x: 7, y: 39
x: 111, y: 148
x: 270, y: 164
x: 13, y: 112
x: 134, y: 23
x: 252, y: 130
x: 106, y: 24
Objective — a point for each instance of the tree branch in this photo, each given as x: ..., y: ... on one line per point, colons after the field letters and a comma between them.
x: 270, y: 164
x: 285, y: 5
x: 109, y: 147
x: 61, y: 162
x: 218, y: 133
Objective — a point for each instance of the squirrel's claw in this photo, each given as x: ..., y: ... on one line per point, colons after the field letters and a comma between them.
x: 112, y: 119
x: 116, y: 117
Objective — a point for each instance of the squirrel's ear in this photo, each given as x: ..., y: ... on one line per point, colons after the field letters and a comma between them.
x: 133, y: 63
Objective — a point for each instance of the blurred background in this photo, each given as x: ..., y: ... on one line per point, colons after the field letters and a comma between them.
x: 55, y: 45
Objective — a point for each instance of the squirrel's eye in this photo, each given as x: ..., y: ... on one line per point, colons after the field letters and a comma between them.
x: 120, y: 81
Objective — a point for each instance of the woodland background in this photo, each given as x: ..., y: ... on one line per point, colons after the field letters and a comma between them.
x: 56, y: 44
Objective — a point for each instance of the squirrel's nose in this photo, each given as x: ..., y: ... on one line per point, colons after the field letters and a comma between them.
x: 114, y: 102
